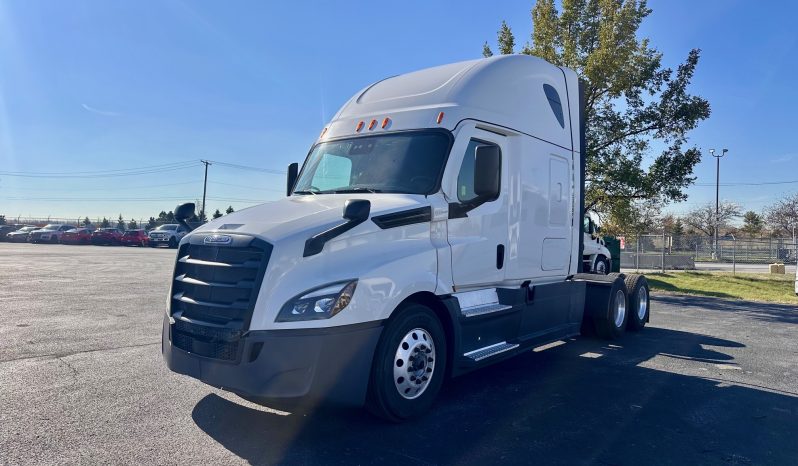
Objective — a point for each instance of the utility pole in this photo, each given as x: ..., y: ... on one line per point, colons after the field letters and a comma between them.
x: 717, y: 196
x: 204, y: 189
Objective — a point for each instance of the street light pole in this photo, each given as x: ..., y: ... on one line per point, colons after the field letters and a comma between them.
x: 717, y: 195
x: 204, y: 190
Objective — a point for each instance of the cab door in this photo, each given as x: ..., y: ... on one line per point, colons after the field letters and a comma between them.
x: 478, y: 236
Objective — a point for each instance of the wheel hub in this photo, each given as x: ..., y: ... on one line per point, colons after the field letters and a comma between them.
x: 414, y: 363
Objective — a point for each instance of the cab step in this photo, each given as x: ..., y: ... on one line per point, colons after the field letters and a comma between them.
x: 492, y: 350
x: 479, y: 303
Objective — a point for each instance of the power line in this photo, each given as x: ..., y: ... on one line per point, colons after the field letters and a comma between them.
x: 248, y: 167
x: 81, y: 188
x: 764, y: 183
x: 130, y: 172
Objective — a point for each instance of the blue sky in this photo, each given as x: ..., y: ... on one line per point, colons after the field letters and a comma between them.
x: 89, y: 86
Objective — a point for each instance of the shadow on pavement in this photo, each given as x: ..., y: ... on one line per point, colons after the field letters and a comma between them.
x: 582, y: 402
x: 770, y: 312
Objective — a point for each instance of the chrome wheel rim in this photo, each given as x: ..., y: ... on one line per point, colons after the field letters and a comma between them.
x: 414, y: 363
x: 642, y: 306
x: 601, y: 267
x: 620, y: 308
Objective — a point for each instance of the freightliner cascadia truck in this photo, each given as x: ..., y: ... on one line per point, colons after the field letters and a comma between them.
x: 435, y: 227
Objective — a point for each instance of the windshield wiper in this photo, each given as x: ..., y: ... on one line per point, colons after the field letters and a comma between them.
x: 357, y: 189
x: 305, y: 192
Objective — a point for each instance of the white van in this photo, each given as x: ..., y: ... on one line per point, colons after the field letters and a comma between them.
x: 435, y: 227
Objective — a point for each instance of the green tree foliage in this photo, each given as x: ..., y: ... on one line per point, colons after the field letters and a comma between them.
x: 631, y: 100
x: 506, y: 40
x: 105, y: 223
x: 166, y: 217
x: 2, y: 219
x: 151, y: 223
x: 217, y: 214
x: 132, y: 225
x: 229, y: 210
x: 753, y: 224
x: 120, y: 223
x: 486, y: 52
x: 86, y: 222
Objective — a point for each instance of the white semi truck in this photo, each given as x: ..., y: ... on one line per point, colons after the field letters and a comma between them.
x: 435, y: 227
x: 595, y: 255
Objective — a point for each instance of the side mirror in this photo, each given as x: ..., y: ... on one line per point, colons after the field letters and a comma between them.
x: 293, y: 172
x: 357, y: 210
x: 487, y: 172
x: 184, y: 212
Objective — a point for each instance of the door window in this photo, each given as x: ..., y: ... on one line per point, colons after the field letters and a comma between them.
x: 465, y: 178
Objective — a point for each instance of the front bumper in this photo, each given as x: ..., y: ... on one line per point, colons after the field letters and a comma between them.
x: 329, y: 364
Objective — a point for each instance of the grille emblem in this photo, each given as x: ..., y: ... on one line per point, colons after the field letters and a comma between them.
x: 218, y: 239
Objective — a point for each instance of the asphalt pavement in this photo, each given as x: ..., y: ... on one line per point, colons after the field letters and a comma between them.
x: 82, y: 381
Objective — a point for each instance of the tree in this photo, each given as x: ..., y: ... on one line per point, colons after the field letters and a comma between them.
x: 753, y: 224
x: 105, y: 223
x: 782, y: 216
x: 120, y: 223
x: 631, y: 101
x: 86, y: 222
x: 166, y: 217
x: 635, y: 218
x: 217, y: 214
x: 702, y: 218
x: 132, y: 225
x: 486, y: 52
x: 678, y: 227
x: 151, y: 223
x: 2, y: 219
x: 506, y: 40
x: 229, y: 210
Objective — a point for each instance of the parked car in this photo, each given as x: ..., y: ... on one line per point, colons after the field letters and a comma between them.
x: 6, y: 229
x: 169, y: 234
x: 21, y: 235
x: 135, y: 238
x: 110, y: 236
x: 77, y: 236
x: 49, y: 233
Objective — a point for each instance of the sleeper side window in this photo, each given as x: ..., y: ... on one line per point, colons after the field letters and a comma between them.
x: 465, y: 178
x: 555, y: 103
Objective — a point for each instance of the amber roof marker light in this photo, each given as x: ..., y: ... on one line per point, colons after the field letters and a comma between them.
x: 372, y: 124
x: 359, y: 127
x: 385, y: 122
x: 440, y: 118
x: 323, y: 132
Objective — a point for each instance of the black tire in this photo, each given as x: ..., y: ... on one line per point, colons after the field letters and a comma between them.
x: 608, y: 324
x: 172, y: 243
x: 601, y: 266
x: 384, y: 398
x: 639, y: 302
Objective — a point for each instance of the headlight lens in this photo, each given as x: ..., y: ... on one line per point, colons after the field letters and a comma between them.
x: 318, y: 303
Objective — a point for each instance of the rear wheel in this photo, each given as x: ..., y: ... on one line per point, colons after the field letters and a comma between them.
x: 611, y: 323
x: 409, y: 365
x: 639, y: 304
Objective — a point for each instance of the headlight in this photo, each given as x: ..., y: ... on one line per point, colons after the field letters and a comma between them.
x: 318, y: 303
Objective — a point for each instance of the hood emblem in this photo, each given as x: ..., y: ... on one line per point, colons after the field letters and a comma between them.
x: 218, y: 239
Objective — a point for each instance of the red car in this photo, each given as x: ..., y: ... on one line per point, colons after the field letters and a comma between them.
x: 106, y: 236
x: 135, y: 238
x: 77, y: 236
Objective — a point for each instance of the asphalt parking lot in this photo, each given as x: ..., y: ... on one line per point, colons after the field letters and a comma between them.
x: 82, y: 381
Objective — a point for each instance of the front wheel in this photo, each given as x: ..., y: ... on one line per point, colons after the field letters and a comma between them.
x: 172, y: 242
x: 409, y: 365
x: 602, y: 266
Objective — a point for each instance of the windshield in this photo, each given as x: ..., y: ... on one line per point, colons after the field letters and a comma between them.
x: 409, y: 163
x: 26, y: 229
x: 167, y: 227
x: 51, y: 227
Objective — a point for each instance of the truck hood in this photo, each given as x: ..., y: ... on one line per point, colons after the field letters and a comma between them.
x: 299, y: 214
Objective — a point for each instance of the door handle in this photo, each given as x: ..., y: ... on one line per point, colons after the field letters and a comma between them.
x: 500, y: 256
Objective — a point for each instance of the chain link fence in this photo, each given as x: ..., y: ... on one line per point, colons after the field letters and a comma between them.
x: 671, y: 252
